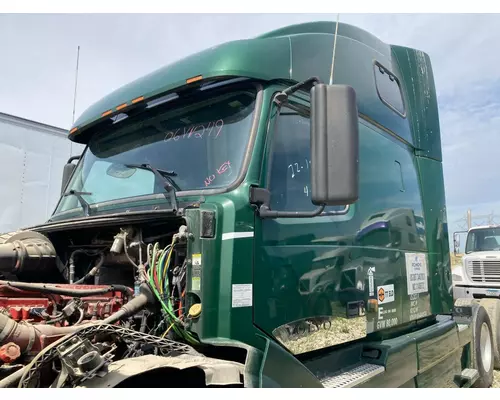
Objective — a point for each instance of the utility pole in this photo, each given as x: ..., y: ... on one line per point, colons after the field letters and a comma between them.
x: 491, y: 219
x: 467, y: 222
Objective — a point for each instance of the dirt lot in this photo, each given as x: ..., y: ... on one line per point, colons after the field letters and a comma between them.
x: 496, y: 379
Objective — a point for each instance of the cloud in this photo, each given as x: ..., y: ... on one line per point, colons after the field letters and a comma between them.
x: 470, y: 125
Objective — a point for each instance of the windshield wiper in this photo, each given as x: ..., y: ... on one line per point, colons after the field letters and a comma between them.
x: 166, y: 176
x: 83, y: 202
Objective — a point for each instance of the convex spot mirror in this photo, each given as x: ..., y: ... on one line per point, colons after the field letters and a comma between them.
x: 334, y: 145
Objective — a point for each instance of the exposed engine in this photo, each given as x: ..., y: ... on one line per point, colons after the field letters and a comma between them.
x: 73, y: 301
x: 58, y: 310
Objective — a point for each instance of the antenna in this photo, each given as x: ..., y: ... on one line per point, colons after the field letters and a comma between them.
x: 76, y: 83
x: 74, y: 96
x: 334, y: 48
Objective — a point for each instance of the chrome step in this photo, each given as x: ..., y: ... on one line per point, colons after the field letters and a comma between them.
x: 467, y: 377
x: 353, y: 377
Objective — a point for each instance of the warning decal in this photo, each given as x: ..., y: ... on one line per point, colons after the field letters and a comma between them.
x: 371, y: 282
x: 416, y: 273
x: 385, y: 294
x: 242, y: 295
x: 196, y: 272
x: 197, y: 259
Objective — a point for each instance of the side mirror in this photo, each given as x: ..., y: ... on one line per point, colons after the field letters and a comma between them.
x: 68, y: 170
x: 334, y: 145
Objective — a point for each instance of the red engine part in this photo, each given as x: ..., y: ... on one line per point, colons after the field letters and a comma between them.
x: 31, y: 306
x: 28, y: 338
x: 10, y: 352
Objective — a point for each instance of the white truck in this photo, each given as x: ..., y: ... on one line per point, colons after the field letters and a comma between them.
x: 479, y: 275
x: 477, y: 278
x: 32, y: 156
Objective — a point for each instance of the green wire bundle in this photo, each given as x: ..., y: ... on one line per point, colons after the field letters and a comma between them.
x: 159, y: 261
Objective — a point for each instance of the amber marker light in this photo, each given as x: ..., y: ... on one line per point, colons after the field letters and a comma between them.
x: 194, y: 79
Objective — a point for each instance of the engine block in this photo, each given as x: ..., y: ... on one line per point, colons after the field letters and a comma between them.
x: 31, y: 306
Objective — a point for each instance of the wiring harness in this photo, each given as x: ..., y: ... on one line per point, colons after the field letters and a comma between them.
x: 158, y: 266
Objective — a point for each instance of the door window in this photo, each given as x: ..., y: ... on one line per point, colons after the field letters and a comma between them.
x: 290, y: 165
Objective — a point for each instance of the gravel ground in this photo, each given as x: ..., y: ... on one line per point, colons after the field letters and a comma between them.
x: 338, y: 330
x: 496, y: 379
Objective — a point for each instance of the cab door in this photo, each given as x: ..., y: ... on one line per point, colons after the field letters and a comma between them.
x: 341, y: 275
x: 301, y: 263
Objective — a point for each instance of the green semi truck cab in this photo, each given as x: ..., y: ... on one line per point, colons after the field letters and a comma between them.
x: 299, y: 174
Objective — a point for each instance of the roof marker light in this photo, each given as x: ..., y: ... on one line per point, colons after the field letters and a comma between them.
x: 138, y: 99
x: 122, y: 106
x: 73, y: 130
x: 104, y: 114
x: 194, y: 79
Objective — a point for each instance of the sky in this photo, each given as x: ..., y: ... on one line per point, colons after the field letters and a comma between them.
x: 38, y: 59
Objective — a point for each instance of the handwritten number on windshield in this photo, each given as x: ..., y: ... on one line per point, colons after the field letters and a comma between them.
x: 298, y: 167
x: 211, y: 129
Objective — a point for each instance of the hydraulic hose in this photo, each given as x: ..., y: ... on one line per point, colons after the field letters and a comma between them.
x: 12, y: 379
x: 53, y: 289
x: 94, y: 271
x: 135, y: 305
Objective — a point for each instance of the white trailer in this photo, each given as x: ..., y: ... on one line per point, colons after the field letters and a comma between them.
x: 32, y: 157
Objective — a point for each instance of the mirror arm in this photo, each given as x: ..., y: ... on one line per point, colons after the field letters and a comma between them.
x: 261, y: 198
x: 304, y: 84
x: 282, y: 97
x: 73, y: 158
x: 265, y: 212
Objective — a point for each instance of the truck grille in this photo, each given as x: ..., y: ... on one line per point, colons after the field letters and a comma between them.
x: 484, y: 271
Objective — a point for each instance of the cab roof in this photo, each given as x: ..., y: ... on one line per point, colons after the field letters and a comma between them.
x: 266, y: 57
x: 296, y: 53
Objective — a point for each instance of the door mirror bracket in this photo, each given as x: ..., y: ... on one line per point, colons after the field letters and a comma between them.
x: 261, y: 198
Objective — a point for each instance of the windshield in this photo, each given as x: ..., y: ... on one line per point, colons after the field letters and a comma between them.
x: 196, y: 142
x: 487, y: 239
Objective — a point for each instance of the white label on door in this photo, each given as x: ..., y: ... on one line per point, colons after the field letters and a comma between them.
x: 416, y: 273
x: 242, y: 295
